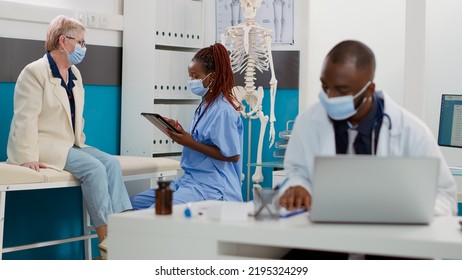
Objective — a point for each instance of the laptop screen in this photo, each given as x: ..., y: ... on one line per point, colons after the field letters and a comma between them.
x: 450, y: 125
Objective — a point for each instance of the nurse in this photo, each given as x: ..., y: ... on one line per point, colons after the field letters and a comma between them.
x: 211, y: 157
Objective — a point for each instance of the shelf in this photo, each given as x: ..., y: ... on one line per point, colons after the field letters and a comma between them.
x: 273, y: 164
x: 456, y: 170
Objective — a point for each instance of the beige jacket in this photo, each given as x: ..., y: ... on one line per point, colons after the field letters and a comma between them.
x: 41, y: 129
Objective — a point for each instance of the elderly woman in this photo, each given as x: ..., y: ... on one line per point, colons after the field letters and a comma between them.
x: 47, y: 126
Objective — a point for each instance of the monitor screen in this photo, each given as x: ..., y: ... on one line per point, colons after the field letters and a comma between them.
x: 450, y: 127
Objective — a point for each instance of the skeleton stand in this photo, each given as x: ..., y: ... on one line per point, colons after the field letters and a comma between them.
x: 250, y: 50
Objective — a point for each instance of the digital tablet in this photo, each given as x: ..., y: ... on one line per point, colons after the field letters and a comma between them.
x: 160, y: 122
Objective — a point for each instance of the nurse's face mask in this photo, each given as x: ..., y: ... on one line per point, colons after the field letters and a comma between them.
x: 341, y: 107
x: 196, y: 86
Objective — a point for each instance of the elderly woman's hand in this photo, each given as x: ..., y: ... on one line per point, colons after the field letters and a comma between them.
x: 35, y: 165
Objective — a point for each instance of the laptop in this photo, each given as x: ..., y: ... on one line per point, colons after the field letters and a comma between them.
x: 367, y: 189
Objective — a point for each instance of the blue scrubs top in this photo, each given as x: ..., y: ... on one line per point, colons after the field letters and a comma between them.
x: 221, y: 126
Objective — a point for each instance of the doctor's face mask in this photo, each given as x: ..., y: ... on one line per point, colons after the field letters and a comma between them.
x: 341, y: 107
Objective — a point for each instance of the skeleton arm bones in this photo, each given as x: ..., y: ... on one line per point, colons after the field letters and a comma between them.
x: 273, y: 89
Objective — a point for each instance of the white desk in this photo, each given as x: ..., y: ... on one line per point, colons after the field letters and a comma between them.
x: 143, y: 235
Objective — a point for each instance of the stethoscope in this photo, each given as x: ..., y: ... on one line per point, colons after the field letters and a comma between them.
x: 378, y: 120
x: 200, y: 115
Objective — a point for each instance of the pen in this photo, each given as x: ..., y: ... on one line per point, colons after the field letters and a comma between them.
x: 288, y: 214
x: 279, y: 186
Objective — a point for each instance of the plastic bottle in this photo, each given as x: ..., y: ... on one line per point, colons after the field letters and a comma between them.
x: 164, y: 198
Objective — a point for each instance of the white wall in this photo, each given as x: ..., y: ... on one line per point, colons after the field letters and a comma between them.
x: 443, y: 62
x: 414, y: 65
x: 28, y: 19
x: 380, y: 24
x: 101, y: 6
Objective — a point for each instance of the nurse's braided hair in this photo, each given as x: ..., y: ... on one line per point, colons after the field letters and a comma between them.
x: 216, y: 59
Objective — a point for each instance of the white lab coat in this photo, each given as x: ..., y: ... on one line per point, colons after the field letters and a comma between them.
x: 41, y: 129
x: 313, y: 134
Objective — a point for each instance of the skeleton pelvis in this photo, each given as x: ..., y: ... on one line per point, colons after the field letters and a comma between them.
x: 252, y: 98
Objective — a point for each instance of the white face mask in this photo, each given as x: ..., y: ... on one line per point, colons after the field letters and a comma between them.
x: 197, y: 87
x: 341, y: 107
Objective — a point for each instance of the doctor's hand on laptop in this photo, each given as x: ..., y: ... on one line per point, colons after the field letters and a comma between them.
x: 295, y: 197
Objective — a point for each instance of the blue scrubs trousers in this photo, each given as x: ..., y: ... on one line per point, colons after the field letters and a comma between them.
x: 183, y: 194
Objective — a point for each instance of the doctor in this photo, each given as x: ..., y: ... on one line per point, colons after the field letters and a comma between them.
x: 353, y: 117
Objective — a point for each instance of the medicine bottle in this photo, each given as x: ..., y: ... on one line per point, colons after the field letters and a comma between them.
x: 164, y: 198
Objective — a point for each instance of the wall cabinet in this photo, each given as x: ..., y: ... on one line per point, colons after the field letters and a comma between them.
x: 159, y: 39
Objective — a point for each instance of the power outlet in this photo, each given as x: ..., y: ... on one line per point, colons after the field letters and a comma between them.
x: 103, y: 21
x: 82, y: 17
x: 92, y: 20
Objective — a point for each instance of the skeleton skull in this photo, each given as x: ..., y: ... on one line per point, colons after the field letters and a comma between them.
x: 250, y: 7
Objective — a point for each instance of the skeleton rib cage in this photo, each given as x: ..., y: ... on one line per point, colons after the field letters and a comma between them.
x: 257, y: 50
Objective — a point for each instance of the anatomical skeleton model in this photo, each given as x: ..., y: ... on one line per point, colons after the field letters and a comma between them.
x: 250, y: 50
